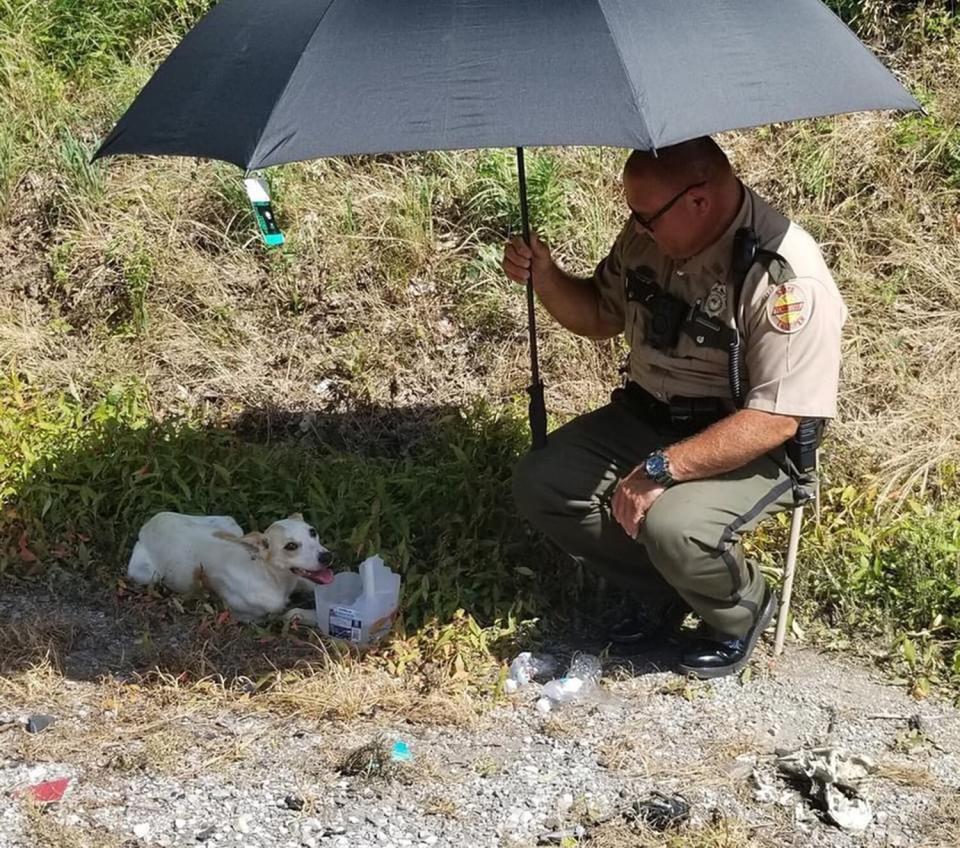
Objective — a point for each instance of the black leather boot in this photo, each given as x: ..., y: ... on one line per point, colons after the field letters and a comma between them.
x: 718, y: 657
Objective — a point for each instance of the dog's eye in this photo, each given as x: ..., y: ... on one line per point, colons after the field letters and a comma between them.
x: 291, y: 546
x: 313, y: 533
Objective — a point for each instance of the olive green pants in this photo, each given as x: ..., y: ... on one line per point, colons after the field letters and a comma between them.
x: 688, y: 544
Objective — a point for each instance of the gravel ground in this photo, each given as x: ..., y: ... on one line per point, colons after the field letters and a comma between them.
x: 507, y: 780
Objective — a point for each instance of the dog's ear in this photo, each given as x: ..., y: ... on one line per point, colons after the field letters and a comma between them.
x: 297, y: 516
x: 256, y: 542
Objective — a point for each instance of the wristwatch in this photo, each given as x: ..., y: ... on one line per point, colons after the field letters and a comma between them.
x: 657, y: 468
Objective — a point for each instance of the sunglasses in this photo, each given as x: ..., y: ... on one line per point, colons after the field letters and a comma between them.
x: 647, y: 223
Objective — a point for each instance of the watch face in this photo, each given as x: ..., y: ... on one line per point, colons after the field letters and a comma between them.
x: 656, y: 465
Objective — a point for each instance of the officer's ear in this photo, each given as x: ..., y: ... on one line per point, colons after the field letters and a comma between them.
x: 701, y: 202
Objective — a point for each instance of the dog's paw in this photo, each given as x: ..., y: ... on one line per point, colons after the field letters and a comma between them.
x: 294, y: 617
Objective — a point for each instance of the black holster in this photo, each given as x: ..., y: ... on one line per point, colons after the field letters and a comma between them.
x: 801, y: 453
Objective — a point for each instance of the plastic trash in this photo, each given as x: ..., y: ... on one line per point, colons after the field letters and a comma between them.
x: 660, y: 811
x: 48, y: 792
x: 400, y: 752
x: 579, y: 682
x: 527, y: 667
x: 833, y: 780
x: 359, y: 608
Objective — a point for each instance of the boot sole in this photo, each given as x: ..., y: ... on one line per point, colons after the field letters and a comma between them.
x: 766, y: 616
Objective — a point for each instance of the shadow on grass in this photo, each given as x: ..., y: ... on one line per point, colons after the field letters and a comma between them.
x: 427, y: 487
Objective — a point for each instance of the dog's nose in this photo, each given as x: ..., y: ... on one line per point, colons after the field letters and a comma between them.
x: 324, y: 557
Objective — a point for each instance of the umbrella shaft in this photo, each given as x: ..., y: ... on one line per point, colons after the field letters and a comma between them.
x: 531, y: 312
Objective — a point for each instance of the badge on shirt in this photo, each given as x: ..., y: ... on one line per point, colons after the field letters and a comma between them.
x: 789, y: 308
x: 717, y: 300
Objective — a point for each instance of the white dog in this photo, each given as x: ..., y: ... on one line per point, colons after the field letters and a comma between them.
x: 254, y: 574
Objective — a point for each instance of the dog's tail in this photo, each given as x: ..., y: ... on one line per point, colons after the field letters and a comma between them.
x: 141, y: 567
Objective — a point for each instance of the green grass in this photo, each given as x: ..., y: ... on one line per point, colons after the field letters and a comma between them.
x: 88, y: 35
x: 79, y: 480
x: 934, y: 141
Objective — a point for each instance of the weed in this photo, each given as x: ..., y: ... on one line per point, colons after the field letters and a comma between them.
x: 933, y: 142
x: 493, y: 198
x: 369, y: 760
x: 487, y: 767
x: 75, y: 35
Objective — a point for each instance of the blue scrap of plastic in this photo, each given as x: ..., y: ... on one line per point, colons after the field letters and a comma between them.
x: 401, y: 752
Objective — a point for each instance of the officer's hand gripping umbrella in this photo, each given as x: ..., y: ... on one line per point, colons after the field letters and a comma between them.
x: 262, y: 83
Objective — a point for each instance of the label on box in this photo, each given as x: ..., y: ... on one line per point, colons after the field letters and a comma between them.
x: 345, y: 624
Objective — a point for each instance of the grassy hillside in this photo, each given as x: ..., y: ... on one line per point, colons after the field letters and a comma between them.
x: 371, y: 372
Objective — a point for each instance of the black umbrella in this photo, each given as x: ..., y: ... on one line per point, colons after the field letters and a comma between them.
x: 261, y: 83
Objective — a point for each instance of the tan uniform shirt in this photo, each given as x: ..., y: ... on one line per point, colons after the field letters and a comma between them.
x: 790, y: 331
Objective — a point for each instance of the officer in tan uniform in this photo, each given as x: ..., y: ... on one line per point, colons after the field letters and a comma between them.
x: 733, y: 322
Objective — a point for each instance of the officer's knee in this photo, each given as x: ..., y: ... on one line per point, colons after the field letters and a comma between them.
x: 668, y: 537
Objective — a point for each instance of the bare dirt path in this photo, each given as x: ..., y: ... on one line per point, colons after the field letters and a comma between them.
x: 240, y: 758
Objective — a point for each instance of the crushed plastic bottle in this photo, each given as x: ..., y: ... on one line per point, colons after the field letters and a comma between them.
x: 579, y: 682
x: 527, y: 667
x: 359, y: 607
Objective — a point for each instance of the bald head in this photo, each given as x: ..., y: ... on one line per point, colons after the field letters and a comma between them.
x: 694, y: 161
x: 684, y: 197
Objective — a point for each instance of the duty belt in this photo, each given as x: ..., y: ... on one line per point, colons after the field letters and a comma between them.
x: 686, y: 415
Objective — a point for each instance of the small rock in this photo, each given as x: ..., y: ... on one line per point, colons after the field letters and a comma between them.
x: 206, y: 834
x: 243, y: 824
x: 739, y: 770
x: 39, y: 722
x: 141, y: 830
x: 293, y: 802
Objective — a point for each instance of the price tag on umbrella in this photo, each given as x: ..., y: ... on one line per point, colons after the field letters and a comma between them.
x: 263, y: 211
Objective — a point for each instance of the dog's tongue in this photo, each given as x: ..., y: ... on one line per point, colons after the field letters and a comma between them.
x: 321, y: 576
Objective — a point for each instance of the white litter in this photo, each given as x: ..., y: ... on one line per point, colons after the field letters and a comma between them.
x: 834, y: 779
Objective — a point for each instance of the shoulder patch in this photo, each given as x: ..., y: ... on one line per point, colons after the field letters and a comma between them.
x: 789, y: 307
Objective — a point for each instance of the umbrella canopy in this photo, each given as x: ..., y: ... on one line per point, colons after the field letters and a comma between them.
x: 259, y: 84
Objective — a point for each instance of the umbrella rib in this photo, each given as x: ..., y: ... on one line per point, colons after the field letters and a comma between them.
x: 634, y: 90
x: 286, y: 85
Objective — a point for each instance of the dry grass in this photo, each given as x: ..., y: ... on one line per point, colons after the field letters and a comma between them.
x: 37, y: 640
x: 388, y: 291
x: 906, y: 774
x: 438, y: 805
x: 725, y: 833
x: 44, y: 830
x: 622, y: 753
x: 942, y: 827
